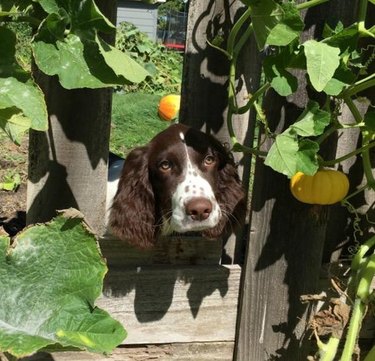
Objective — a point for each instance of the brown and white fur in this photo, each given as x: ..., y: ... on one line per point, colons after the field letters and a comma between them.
x: 182, y: 181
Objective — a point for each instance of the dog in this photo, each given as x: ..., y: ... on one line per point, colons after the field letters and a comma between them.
x: 182, y: 181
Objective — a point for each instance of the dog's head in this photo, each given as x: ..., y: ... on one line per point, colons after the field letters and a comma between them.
x: 182, y: 181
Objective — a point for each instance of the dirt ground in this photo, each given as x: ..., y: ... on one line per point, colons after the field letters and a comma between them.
x: 13, y: 160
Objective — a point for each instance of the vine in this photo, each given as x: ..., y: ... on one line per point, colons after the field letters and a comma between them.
x: 336, y: 67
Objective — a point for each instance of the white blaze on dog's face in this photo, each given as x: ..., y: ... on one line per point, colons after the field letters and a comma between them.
x: 194, y: 205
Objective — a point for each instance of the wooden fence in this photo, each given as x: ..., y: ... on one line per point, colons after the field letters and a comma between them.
x: 238, y: 298
x: 177, y: 303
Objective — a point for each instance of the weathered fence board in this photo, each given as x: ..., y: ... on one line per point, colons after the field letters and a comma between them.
x: 174, y: 304
x: 181, y: 250
x: 215, y: 351
x: 68, y: 163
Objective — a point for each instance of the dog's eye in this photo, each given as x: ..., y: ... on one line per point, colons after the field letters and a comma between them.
x: 209, y: 160
x: 165, y: 165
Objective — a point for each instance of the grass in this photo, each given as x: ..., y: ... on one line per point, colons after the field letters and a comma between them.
x: 134, y: 121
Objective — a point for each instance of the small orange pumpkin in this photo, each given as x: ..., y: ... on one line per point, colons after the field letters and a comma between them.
x: 169, y: 107
x: 326, y: 186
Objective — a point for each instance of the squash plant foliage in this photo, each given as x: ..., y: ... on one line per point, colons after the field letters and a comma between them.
x: 338, y: 68
x: 49, y: 280
x: 67, y: 42
x: 164, y: 65
x: 335, y: 66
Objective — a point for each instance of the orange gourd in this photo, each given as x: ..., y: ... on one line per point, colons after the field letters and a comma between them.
x: 169, y: 107
x: 326, y: 186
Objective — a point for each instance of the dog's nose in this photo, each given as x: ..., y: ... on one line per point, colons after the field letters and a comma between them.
x: 198, y: 208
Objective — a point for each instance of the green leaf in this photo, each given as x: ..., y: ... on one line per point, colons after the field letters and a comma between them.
x: 81, y: 62
x: 265, y: 16
x: 312, y: 121
x: 122, y: 64
x: 8, y: 64
x: 322, y: 60
x: 67, y: 45
x: 288, y: 154
x: 342, y: 78
x: 49, y: 6
x: 282, y: 157
x: 288, y: 28
x: 275, y: 24
x: 49, y: 281
x: 280, y: 79
x: 307, y: 160
x: 328, y: 31
x: 14, y: 123
x: 11, y: 182
x: 86, y: 16
x: 151, y: 68
x: 55, y: 25
x: 346, y: 39
x: 78, y: 64
x: 26, y: 97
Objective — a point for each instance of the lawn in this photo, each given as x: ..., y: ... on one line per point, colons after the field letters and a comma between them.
x: 134, y: 121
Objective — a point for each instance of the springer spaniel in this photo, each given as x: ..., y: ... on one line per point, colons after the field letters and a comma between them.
x: 182, y: 181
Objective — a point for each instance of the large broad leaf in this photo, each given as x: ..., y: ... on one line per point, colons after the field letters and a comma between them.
x: 84, y: 14
x: 81, y: 62
x: 288, y: 154
x: 307, y: 160
x: 288, y: 28
x: 273, y: 23
x: 49, y: 281
x: 312, y: 121
x: 280, y: 79
x: 78, y: 64
x: 26, y: 97
x: 322, y: 61
x: 122, y: 64
x: 67, y: 45
x: 282, y: 155
x: 344, y: 38
x: 342, y: 78
x: 49, y: 6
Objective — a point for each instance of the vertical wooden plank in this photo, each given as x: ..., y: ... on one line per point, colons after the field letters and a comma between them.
x: 205, y: 84
x: 68, y: 163
x: 286, y: 239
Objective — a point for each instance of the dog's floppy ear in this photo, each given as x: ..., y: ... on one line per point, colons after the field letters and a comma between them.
x: 132, y: 216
